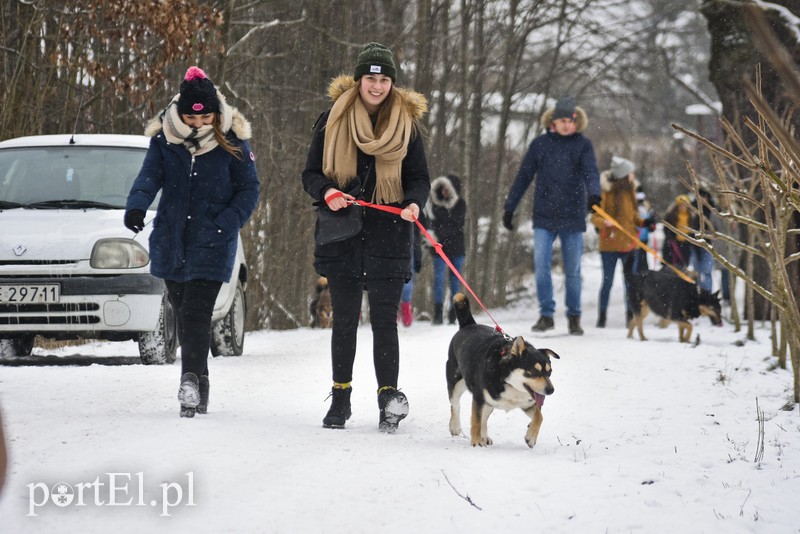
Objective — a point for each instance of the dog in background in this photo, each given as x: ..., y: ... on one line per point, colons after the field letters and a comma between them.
x: 320, y: 307
x: 670, y: 297
x: 500, y: 372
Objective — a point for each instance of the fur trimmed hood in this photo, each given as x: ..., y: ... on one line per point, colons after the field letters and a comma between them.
x: 607, y: 182
x: 581, y: 121
x: 240, y: 126
x: 415, y: 103
x: 452, y: 184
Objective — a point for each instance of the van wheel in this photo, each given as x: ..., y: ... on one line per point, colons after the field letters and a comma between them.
x: 16, y: 347
x: 227, y: 334
x: 161, y: 345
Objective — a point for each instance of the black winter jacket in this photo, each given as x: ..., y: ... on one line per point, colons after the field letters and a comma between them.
x: 383, y: 248
x: 446, y: 215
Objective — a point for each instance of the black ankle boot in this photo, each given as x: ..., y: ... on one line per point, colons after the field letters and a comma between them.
x: 601, y: 319
x: 340, y: 408
x: 437, y: 313
x: 189, y: 394
x: 575, y: 325
x: 451, y: 315
x: 205, y: 389
x: 393, y: 407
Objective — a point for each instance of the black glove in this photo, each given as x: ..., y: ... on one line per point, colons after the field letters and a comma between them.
x: 508, y: 221
x: 594, y: 200
x: 134, y: 220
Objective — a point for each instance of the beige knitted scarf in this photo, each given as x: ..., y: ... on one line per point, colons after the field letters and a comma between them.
x: 197, y: 141
x: 349, y: 127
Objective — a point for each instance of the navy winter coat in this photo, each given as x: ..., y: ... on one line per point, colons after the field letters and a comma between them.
x: 566, y: 175
x: 204, y: 203
x: 383, y: 248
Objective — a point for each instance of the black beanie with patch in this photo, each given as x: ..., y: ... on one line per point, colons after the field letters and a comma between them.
x: 375, y: 58
x: 198, y: 94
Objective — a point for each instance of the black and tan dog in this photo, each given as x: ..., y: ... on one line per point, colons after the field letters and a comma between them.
x: 670, y: 297
x: 500, y: 372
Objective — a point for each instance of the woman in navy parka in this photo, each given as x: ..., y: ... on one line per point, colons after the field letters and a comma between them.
x: 200, y: 160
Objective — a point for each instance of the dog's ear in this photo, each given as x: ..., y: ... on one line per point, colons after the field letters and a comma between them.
x: 550, y: 353
x: 518, y: 347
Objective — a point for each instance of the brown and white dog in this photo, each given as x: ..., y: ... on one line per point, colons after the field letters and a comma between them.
x: 500, y: 372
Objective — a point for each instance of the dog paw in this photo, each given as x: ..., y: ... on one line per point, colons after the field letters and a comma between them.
x: 483, y: 442
x: 530, y: 441
x: 455, y: 429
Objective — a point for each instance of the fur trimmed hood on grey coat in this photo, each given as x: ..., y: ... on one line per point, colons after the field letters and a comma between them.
x: 581, y: 121
x: 453, y: 186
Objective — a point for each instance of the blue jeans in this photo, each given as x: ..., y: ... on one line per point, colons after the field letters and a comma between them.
x: 408, y: 290
x: 703, y: 263
x: 571, y: 251
x: 609, y: 261
x: 439, y: 269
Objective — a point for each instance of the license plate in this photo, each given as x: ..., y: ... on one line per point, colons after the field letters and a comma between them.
x: 30, y: 294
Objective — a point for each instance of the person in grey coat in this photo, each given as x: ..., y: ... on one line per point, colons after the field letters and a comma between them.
x: 200, y: 160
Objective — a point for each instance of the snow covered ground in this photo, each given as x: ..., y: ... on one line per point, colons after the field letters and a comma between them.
x: 638, y: 437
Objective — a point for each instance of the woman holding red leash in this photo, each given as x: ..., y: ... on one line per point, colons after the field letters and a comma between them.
x: 367, y: 146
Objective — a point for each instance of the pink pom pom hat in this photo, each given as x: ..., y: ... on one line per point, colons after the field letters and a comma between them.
x: 198, y: 94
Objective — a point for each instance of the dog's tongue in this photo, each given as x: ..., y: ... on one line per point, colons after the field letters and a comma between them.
x: 538, y: 398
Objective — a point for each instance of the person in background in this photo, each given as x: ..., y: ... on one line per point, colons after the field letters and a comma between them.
x: 446, y: 213
x: 406, y: 310
x: 567, y: 184
x: 200, y: 160
x: 676, y: 250
x: 368, y: 146
x: 702, y: 261
x: 647, y: 215
x: 618, y: 185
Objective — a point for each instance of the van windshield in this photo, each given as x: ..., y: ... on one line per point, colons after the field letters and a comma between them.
x: 75, y: 177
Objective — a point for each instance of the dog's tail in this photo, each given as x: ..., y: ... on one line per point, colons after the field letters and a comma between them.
x: 464, y: 314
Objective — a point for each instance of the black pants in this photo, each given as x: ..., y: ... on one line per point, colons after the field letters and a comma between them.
x: 193, y: 302
x: 384, y: 299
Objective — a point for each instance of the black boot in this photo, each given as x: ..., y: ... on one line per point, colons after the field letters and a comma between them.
x: 340, y: 408
x: 437, y: 313
x: 393, y: 405
x: 575, y: 325
x: 205, y: 388
x: 601, y: 319
x: 189, y: 394
x: 543, y: 324
x: 451, y: 315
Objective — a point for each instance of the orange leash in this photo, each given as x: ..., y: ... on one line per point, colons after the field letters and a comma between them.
x: 600, y: 211
x: 436, y: 246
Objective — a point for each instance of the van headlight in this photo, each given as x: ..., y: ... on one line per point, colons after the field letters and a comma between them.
x: 118, y: 254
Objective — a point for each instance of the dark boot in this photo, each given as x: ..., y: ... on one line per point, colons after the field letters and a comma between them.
x: 189, y: 394
x: 437, y: 313
x: 601, y: 319
x: 575, y: 325
x: 205, y: 389
x: 340, y: 408
x: 451, y: 315
x: 393, y: 406
x: 544, y: 323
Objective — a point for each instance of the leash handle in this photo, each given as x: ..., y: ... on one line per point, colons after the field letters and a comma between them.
x: 600, y: 211
x: 437, y: 247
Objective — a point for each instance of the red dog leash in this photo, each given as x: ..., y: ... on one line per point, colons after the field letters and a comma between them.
x: 436, y: 246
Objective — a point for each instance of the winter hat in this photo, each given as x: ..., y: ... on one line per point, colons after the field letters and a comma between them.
x: 198, y: 94
x: 375, y: 59
x: 621, y: 167
x: 565, y: 108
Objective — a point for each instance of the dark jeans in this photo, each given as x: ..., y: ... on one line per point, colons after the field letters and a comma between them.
x: 384, y: 298
x: 193, y: 302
